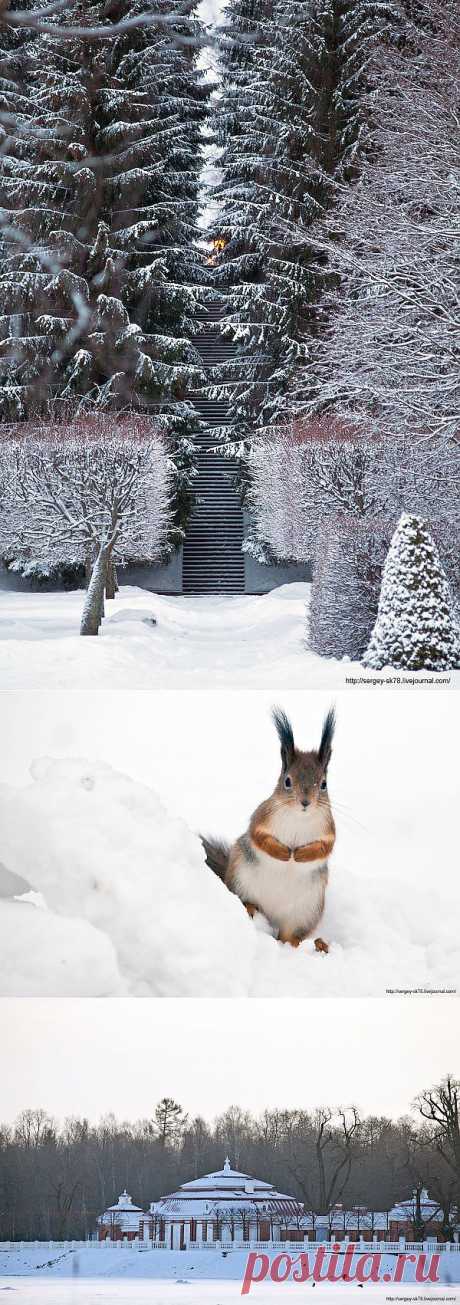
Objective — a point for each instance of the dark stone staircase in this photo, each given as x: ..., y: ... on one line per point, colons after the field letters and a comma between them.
x: 213, y: 562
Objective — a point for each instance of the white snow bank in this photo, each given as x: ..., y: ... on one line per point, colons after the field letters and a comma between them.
x: 209, y: 641
x: 102, y: 850
x: 48, y: 956
x: 131, y: 907
x: 94, y: 1274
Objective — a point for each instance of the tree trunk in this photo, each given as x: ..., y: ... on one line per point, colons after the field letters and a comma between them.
x: 88, y: 569
x: 93, y: 610
x: 111, y: 583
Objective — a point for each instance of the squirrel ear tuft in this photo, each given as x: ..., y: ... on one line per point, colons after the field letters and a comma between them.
x: 284, y: 731
x: 325, y: 747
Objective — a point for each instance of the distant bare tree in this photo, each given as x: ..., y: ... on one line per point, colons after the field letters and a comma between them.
x: 440, y: 1107
x: 322, y: 1149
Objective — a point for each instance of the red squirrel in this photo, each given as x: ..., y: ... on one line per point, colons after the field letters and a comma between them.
x: 280, y: 865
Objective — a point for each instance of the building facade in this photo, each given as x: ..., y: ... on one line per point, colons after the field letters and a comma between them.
x: 229, y: 1208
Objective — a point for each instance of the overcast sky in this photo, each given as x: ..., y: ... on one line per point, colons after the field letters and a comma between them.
x: 87, y: 1057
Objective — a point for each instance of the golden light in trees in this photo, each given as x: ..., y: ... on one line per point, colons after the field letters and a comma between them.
x: 217, y: 246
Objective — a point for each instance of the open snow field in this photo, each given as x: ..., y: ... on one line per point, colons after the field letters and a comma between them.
x: 102, y: 798
x: 197, y: 642
x: 116, y: 1276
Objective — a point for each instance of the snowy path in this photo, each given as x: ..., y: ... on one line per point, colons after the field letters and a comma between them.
x: 240, y: 641
x: 103, y: 827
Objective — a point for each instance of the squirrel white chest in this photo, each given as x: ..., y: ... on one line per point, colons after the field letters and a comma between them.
x: 291, y: 825
x: 291, y: 894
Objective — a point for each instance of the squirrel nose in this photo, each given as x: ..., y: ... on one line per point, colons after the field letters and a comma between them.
x: 305, y: 802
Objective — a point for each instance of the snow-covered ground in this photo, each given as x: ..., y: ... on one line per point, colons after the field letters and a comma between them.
x: 103, y: 827
x: 197, y: 641
x: 74, y: 1291
x: 39, y: 1276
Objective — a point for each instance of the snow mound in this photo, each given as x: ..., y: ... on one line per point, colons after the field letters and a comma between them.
x: 102, y: 850
x: 128, y: 614
x: 47, y: 956
x: 131, y: 908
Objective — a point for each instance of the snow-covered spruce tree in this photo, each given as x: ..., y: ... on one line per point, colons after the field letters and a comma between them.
x: 322, y: 492
x: 94, y: 491
x: 416, y: 627
x: 292, y: 126
x: 99, y: 185
x: 390, y: 354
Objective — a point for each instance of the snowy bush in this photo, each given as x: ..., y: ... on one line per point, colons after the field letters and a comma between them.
x: 96, y: 490
x: 321, y: 491
x: 416, y: 627
x: 347, y: 574
x: 312, y: 470
x: 348, y: 565
x: 304, y: 473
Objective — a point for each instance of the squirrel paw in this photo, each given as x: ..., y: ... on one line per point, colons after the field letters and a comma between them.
x: 250, y: 908
x: 291, y: 939
x: 321, y: 945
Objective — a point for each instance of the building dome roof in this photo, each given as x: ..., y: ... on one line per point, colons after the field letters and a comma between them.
x: 224, y: 1191
x: 406, y: 1209
x: 124, y: 1214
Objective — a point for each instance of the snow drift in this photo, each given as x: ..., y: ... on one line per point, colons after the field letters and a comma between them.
x: 102, y: 850
x: 128, y: 907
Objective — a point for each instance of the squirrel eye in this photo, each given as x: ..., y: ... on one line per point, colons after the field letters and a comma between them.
x: 288, y: 782
x: 323, y: 784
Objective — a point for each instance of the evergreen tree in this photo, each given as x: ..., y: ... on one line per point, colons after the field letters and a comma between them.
x: 416, y: 627
x: 293, y: 123
x: 169, y: 1121
x: 99, y: 185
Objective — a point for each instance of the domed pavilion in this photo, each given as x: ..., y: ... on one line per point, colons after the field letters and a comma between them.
x: 225, y: 1207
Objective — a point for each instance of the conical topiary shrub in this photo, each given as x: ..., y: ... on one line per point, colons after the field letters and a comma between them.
x: 416, y: 627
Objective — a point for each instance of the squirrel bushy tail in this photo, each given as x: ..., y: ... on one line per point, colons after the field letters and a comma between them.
x: 217, y: 856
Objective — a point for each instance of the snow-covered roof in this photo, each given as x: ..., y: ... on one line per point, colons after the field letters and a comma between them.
x: 226, y: 1189
x: 407, y: 1209
x: 123, y: 1213
x: 229, y: 1192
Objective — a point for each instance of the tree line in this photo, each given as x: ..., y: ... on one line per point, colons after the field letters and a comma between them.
x: 339, y: 212
x: 55, y: 1179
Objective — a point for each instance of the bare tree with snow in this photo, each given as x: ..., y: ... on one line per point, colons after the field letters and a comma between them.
x: 96, y: 490
x: 389, y: 353
x: 310, y: 471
